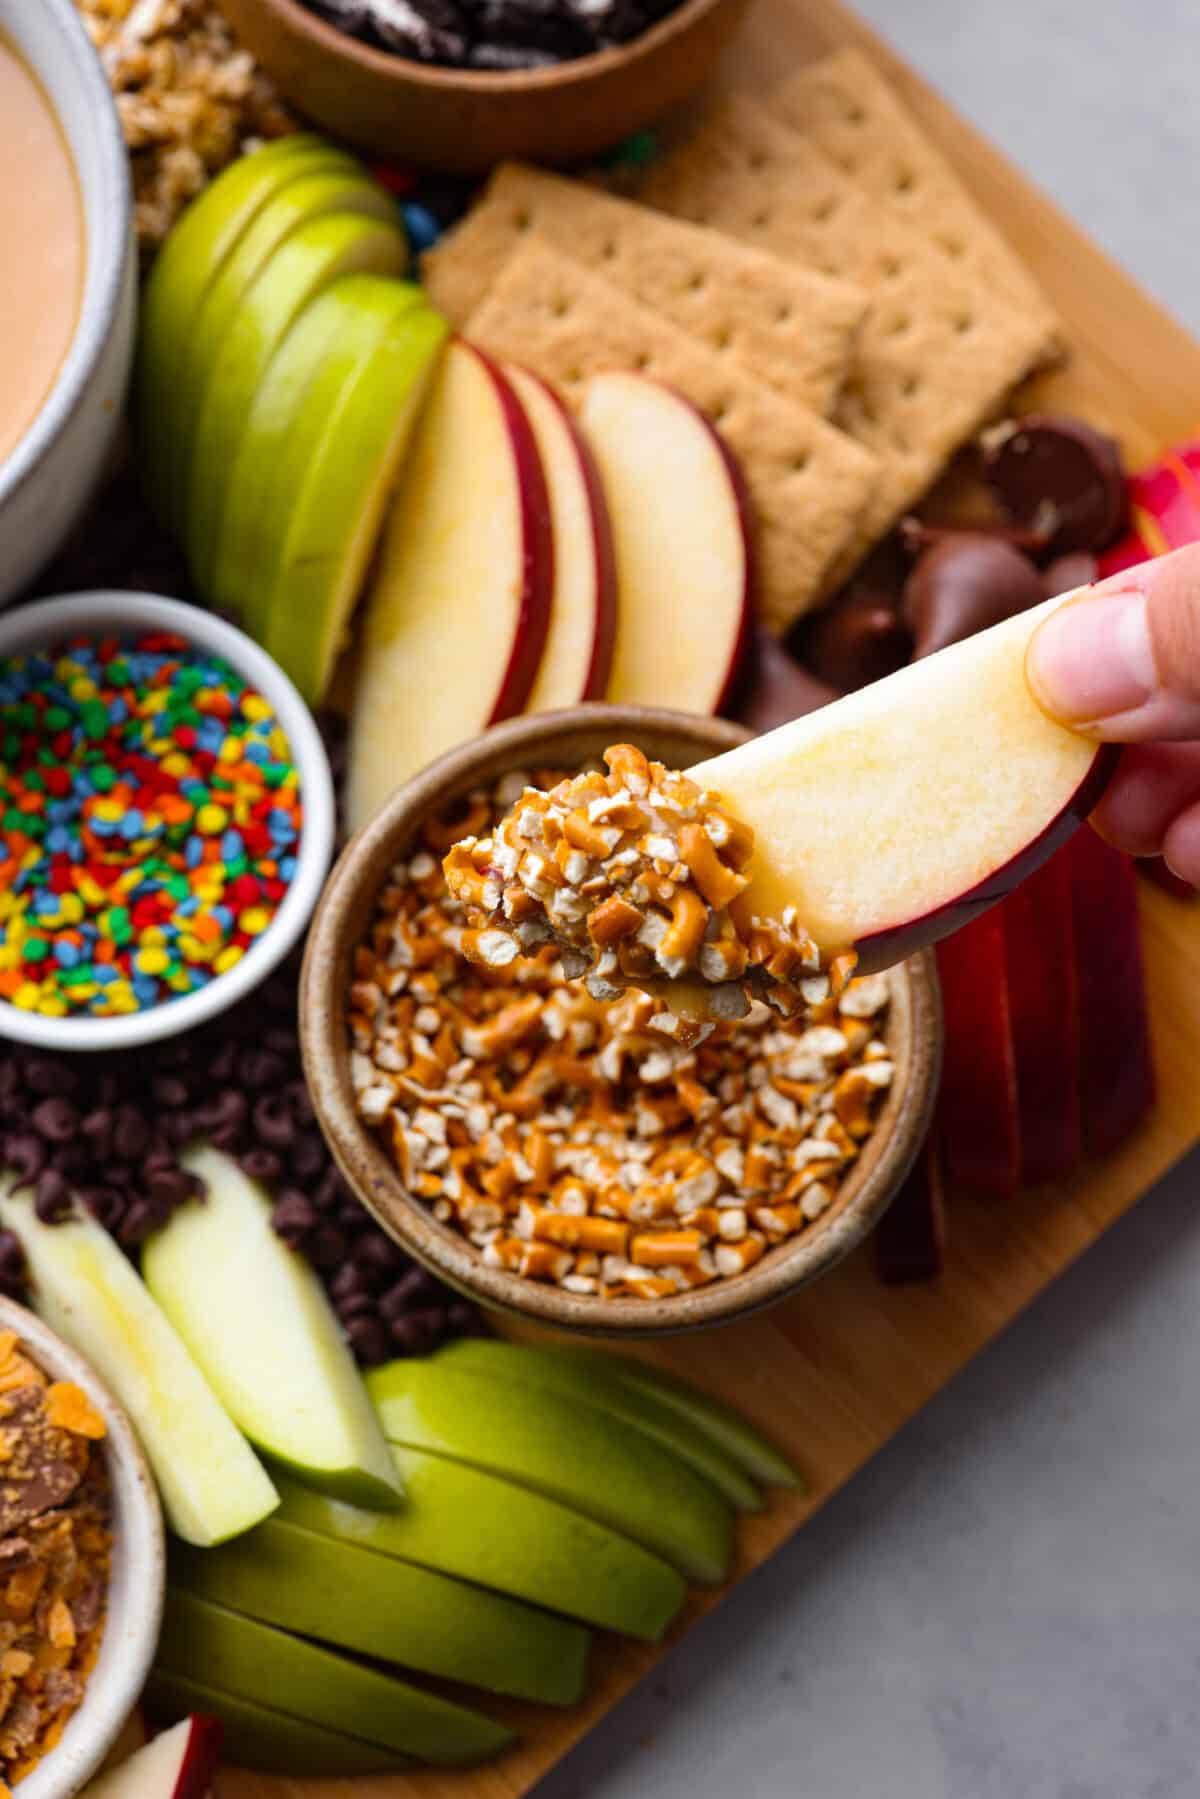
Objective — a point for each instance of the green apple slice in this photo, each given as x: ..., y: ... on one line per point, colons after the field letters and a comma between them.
x: 473, y: 1525
x: 212, y: 1484
x: 238, y: 1655
x: 574, y: 1454
x: 237, y: 583
x: 376, y: 1605
x: 344, y: 187
x: 719, y: 1422
x: 329, y: 502
x: 255, y: 1736
x: 312, y: 258
x: 540, y: 1366
x: 186, y: 267
x: 256, y: 1319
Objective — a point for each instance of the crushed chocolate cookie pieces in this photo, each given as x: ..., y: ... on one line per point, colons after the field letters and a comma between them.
x: 55, y: 1549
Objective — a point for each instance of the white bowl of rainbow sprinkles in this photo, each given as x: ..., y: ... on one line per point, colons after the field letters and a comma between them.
x: 166, y: 819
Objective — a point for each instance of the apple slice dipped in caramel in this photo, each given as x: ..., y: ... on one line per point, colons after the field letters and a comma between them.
x: 681, y: 524
x: 577, y: 658
x: 459, y: 609
x: 846, y: 839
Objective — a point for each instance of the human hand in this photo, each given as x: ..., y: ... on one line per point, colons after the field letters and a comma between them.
x: 1122, y: 663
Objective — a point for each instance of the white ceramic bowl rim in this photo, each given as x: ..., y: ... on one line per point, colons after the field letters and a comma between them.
x: 105, y: 266
x: 46, y: 621
x: 136, y: 1578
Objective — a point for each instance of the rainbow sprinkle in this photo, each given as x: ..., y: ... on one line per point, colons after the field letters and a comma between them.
x: 151, y: 823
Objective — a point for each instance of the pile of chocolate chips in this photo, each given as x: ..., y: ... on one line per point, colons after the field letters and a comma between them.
x: 1055, y: 490
x: 109, y: 1130
x: 497, y: 35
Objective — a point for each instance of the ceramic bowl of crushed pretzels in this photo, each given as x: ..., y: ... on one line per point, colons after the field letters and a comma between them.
x: 539, y: 1126
x: 81, y: 1563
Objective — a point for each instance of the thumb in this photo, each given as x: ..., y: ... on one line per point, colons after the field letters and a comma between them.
x: 1122, y: 660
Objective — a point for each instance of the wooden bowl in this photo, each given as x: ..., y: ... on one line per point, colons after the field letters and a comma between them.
x: 463, y: 121
x: 568, y: 740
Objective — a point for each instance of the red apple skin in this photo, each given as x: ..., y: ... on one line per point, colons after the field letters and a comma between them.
x: 1116, y: 1061
x: 201, y: 1757
x: 978, y: 1111
x: 1043, y: 1005
x: 910, y: 1243
x: 537, y: 535
x: 605, y: 633
x: 894, y: 943
x: 745, y: 516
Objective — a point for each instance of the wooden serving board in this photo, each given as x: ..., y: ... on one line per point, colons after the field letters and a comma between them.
x: 835, y: 1372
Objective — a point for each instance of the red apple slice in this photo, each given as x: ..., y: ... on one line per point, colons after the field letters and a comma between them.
x: 978, y: 1108
x: 460, y: 604
x: 1116, y: 1063
x: 577, y: 658
x: 177, y: 1764
x: 911, y: 1239
x: 1043, y: 1006
x: 681, y: 526
x: 890, y: 817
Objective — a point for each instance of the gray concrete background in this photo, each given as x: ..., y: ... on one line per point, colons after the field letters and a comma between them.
x: 1006, y: 1603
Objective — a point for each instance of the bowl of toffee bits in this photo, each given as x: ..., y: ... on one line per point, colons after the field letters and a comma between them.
x: 459, y: 85
x: 565, y: 1154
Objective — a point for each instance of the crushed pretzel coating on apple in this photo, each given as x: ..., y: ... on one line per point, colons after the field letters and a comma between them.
x: 603, y: 1145
x: 639, y: 877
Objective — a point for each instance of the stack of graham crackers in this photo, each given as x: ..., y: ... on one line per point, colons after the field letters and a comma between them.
x: 808, y: 270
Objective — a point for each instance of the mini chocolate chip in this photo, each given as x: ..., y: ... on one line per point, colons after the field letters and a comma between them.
x: 326, y: 1248
x: 13, y: 1266
x: 346, y: 1282
x: 50, y: 1077
x: 283, y: 1038
x: 170, y: 1091
x: 408, y: 1293
x: 300, y: 1100
x: 272, y: 1120
x: 26, y: 1155
x: 97, y: 1128
x: 51, y: 1196
x: 224, y: 1063
x: 106, y: 1205
x: 376, y: 1255
x: 961, y: 587
x: 259, y: 1068
x: 260, y: 1164
x: 131, y: 1134
x: 71, y: 1158
x: 138, y: 1223
x: 354, y: 1305
x: 1059, y: 474
x: 369, y: 1340
x: 417, y: 1332
x: 293, y: 1217
x: 307, y: 1157
x: 56, y: 1119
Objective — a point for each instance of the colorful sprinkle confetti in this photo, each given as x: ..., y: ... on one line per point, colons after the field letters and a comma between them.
x: 150, y: 818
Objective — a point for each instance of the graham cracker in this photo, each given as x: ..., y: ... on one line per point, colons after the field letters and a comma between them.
x: 785, y: 324
x: 850, y: 112
x: 808, y: 483
x: 939, y: 349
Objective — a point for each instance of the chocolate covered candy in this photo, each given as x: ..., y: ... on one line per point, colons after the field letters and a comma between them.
x: 775, y: 688
x: 1058, y: 476
x: 963, y: 585
x: 1078, y: 569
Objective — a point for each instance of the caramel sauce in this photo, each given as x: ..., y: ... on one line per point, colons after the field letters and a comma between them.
x: 42, y: 247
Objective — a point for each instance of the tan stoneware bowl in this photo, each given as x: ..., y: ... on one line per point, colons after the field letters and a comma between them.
x: 568, y: 740
x: 463, y: 121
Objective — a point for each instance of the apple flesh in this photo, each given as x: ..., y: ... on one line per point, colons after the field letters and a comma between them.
x: 256, y: 1319
x: 894, y: 815
x: 255, y: 1736
x: 457, y: 616
x: 249, y: 1660
x: 211, y: 1482
x: 313, y: 257
x: 548, y: 1369
x: 1043, y: 1009
x: 978, y: 1110
x: 1116, y: 1059
x: 462, y: 1522
x: 133, y: 1735
x: 377, y: 1605
x: 185, y: 269
x: 177, y: 1764
x: 582, y: 1458
x: 577, y: 658
x: 681, y: 526
x: 724, y: 1427
x: 340, y: 475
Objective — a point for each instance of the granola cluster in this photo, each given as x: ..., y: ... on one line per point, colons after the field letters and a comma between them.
x: 587, y: 1141
x: 640, y: 878
x: 54, y: 1555
x: 189, y: 100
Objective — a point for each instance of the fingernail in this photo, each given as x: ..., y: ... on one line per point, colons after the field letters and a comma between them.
x: 1094, y: 658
